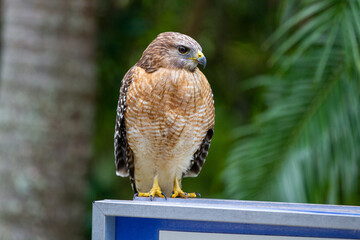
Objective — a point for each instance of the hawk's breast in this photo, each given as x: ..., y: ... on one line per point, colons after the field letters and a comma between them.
x: 168, y: 114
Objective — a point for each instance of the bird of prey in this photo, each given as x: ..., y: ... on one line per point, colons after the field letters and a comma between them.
x: 165, y: 117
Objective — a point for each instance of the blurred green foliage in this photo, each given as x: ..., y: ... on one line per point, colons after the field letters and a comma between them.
x: 305, y: 147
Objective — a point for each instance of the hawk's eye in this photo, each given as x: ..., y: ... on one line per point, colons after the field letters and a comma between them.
x: 183, y: 49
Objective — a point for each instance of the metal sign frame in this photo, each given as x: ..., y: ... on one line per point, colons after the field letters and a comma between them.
x: 123, y: 219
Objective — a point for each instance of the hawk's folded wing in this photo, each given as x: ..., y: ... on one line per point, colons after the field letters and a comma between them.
x: 124, y: 157
x: 200, y: 155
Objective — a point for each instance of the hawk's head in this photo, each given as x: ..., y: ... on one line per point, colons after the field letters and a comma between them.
x: 172, y: 50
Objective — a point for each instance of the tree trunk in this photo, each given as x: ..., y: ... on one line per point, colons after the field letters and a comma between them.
x: 46, y: 117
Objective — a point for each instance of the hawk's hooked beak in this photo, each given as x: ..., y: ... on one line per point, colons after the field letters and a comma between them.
x: 201, y: 59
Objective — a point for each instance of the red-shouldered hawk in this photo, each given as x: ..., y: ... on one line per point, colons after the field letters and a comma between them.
x: 165, y: 117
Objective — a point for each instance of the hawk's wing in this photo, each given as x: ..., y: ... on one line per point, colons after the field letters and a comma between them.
x: 200, y: 155
x: 124, y: 157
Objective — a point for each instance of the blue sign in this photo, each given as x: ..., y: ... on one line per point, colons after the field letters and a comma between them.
x: 129, y: 228
x: 208, y: 219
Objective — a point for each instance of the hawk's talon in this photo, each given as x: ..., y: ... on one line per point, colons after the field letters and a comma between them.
x: 154, y: 191
x: 135, y: 195
x: 180, y: 193
x: 163, y: 194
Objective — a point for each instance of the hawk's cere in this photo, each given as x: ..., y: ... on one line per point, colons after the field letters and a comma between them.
x: 165, y: 117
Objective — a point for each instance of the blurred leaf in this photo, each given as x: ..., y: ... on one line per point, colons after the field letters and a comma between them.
x: 305, y: 146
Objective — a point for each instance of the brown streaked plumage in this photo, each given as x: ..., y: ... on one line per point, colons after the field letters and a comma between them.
x: 165, y: 116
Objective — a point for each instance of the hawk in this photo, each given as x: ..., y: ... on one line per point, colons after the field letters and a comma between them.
x: 165, y: 117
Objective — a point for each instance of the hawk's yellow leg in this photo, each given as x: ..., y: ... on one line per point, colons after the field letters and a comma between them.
x: 154, y: 191
x: 180, y: 193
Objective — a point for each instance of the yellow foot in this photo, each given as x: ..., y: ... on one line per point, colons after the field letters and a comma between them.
x: 152, y: 194
x: 183, y: 194
x: 180, y: 193
x: 154, y: 191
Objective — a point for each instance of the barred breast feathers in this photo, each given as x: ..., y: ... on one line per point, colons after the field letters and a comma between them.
x: 163, y: 104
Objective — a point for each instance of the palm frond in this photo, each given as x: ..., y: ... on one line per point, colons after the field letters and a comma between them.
x: 305, y: 147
